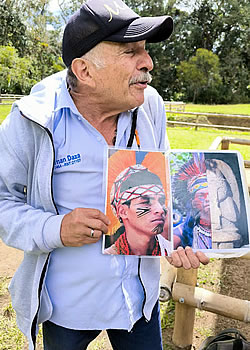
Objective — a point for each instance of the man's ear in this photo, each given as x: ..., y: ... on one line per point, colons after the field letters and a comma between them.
x: 122, y: 211
x: 81, y: 68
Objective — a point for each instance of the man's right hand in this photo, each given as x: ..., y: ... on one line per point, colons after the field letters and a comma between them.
x: 76, y: 227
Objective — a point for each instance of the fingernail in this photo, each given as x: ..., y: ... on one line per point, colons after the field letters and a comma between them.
x: 180, y: 248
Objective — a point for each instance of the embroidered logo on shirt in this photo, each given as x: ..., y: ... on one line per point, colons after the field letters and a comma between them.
x: 68, y: 160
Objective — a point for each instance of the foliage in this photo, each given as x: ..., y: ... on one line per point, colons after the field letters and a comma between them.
x: 19, y: 74
x: 13, y: 31
x: 29, y: 51
x: 15, y: 72
x: 68, y: 8
x: 200, y: 76
x: 219, y: 26
x: 222, y: 26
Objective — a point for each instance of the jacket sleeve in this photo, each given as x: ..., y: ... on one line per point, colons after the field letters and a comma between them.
x: 30, y: 228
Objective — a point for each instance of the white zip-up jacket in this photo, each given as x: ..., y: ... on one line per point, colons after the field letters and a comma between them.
x: 28, y: 216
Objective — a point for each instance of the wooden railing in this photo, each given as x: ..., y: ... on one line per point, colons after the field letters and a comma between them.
x: 180, y: 285
x: 224, y: 143
x: 8, y: 99
x: 197, y: 124
x: 175, y: 106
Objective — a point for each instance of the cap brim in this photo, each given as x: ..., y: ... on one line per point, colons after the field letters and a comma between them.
x: 151, y: 29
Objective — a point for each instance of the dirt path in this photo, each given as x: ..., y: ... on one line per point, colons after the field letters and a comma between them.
x: 10, y: 258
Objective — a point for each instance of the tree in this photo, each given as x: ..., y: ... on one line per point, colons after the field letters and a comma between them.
x: 15, y: 72
x: 19, y: 74
x: 13, y: 31
x: 222, y: 26
x: 68, y: 8
x: 199, y: 76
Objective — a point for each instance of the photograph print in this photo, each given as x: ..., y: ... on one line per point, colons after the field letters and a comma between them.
x: 138, y: 204
x: 210, y: 201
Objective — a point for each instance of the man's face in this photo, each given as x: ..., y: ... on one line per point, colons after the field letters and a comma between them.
x: 123, y: 64
x: 145, y: 214
x: 201, y: 203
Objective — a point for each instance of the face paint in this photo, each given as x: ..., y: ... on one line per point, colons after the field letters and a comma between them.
x: 142, y: 211
x: 158, y: 229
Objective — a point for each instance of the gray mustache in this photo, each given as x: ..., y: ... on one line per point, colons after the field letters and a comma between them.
x: 142, y: 78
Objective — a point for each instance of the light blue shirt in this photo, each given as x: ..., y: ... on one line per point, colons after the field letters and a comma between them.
x: 89, y: 290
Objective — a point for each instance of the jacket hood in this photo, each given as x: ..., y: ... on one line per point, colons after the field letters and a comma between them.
x: 33, y: 105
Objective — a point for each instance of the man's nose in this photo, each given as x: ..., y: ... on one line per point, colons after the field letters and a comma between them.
x: 145, y: 62
x: 207, y: 197
x: 158, y: 208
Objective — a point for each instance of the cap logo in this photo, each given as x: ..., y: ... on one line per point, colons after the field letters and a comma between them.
x: 113, y: 11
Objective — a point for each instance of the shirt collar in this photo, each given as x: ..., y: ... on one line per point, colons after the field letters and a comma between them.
x: 64, y: 100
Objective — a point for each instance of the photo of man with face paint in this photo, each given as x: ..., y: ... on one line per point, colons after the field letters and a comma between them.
x: 190, y: 186
x: 138, y: 200
x: 208, y: 196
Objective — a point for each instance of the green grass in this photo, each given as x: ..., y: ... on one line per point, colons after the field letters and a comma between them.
x: 167, y: 314
x: 188, y: 138
x: 222, y: 109
x: 4, y: 111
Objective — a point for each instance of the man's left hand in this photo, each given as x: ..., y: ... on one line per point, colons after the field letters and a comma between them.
x: 187, y: 259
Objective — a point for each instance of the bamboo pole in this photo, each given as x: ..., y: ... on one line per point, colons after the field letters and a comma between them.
x: 216, y: 143
x: 184, y: 313
x: 224, y: 305
x: 168, y: 276
x: 219, y: 140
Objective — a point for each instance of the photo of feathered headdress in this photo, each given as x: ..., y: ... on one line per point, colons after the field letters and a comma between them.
x: 131, y: 174
x: 190, y: 178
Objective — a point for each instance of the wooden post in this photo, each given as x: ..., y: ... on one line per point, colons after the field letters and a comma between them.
x: 196, y: 122
x: 168, y: 276
x: 225, y: 144
x: 184, y: 314
x: 203, y: 299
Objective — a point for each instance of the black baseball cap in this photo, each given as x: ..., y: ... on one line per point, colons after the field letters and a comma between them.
x: 110, y: 20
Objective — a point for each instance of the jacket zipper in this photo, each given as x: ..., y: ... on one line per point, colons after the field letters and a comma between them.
x: 34, y: 322
x: 144, y: 290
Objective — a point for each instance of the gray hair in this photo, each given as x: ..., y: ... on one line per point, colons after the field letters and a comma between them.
x: 93, y: 56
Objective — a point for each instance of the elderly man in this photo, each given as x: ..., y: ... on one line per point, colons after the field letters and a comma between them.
x: 51, y: 173
x: 138, y: 201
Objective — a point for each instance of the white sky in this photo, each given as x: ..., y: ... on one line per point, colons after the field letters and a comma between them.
x: 54, y: 6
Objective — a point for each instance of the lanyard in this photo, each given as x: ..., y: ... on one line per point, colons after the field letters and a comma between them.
x: 133, y: 132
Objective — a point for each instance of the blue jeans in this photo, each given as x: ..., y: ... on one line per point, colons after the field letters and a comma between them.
x: 144, y: 336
